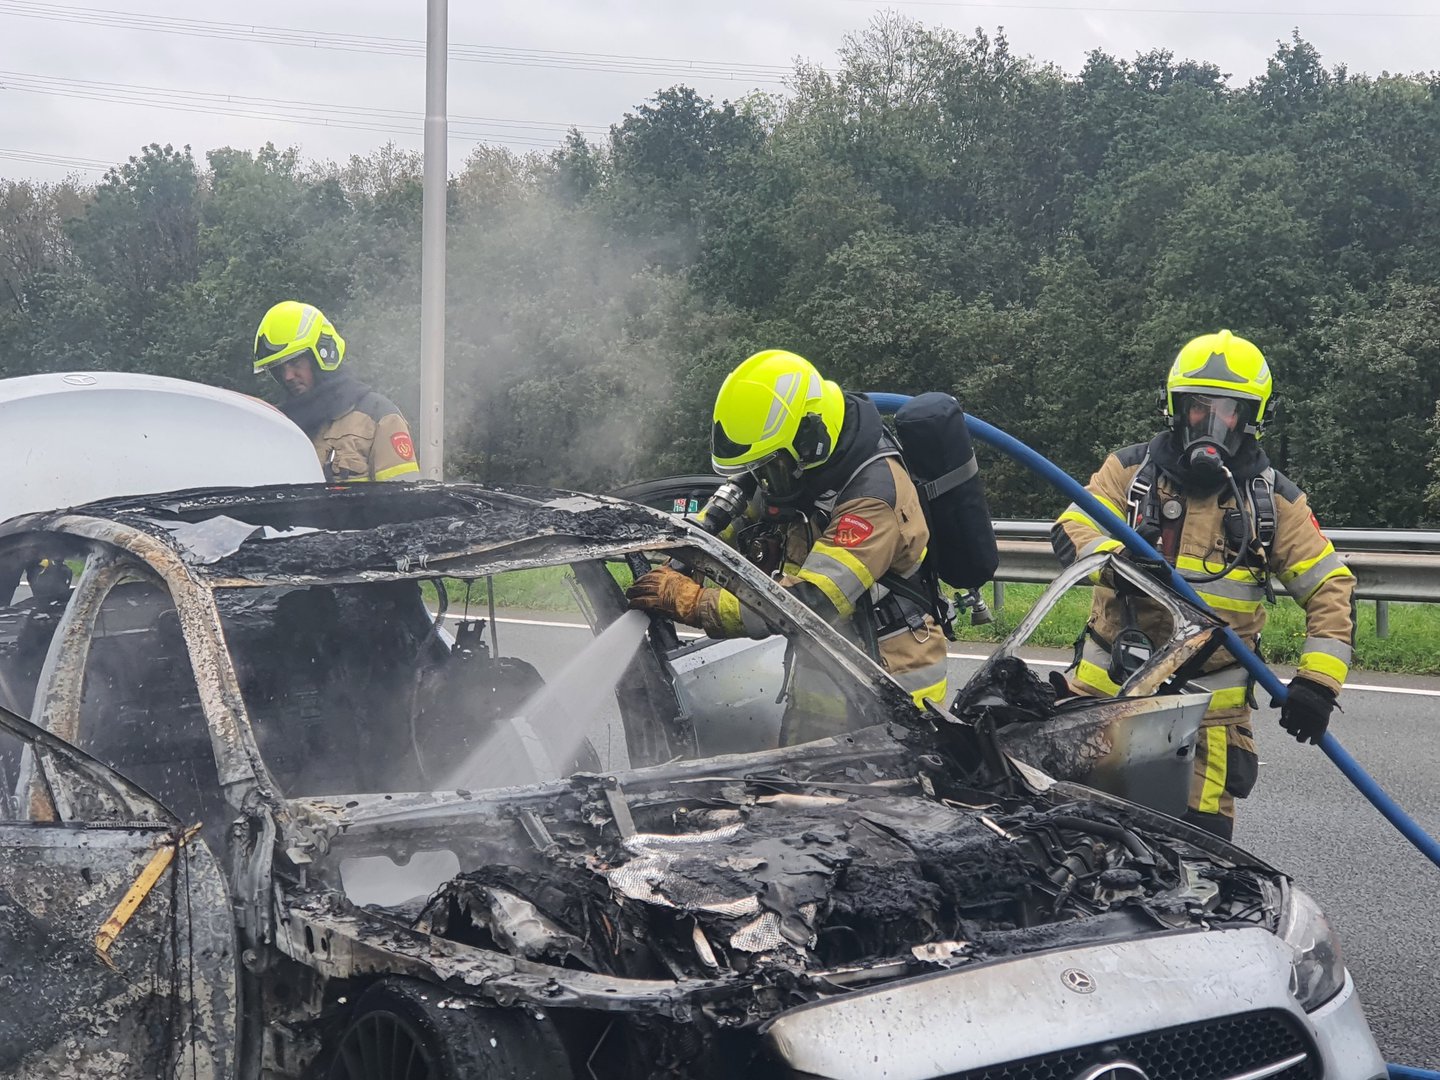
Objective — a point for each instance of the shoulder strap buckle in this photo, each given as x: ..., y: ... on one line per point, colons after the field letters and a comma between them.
x: 933, y: 489
x: 1262, y: 498
x: 1141, y: 484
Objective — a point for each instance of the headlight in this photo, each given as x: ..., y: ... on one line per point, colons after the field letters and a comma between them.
x: 1318, y: 971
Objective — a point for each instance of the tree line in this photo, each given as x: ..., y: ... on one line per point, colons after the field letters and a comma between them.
x: 934, y: 213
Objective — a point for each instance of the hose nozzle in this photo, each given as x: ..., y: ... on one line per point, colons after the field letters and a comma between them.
x: 972, y: 601
x: 729, y: 500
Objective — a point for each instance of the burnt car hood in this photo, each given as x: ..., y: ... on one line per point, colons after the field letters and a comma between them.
x: 751, y: 884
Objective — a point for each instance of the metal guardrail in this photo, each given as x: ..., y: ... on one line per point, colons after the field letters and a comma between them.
x: 1389, y: 564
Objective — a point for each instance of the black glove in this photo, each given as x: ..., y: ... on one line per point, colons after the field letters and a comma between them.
x: 1306, y: 711
x: 1158, y: 569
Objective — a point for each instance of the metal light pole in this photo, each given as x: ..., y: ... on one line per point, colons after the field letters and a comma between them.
x: 431, y: 450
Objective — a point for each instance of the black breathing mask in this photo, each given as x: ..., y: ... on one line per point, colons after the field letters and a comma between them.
x: 1211, y: 429
x: 1204, y: 461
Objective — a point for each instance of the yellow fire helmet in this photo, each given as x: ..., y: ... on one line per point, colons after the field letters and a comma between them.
x: 291, y: 328
x: 774, y: 417
x: 1220, y: 366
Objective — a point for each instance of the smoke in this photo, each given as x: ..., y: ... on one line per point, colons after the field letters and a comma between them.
x: 575, y: 355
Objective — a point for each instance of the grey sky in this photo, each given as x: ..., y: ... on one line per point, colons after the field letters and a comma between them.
x: 269, y: 52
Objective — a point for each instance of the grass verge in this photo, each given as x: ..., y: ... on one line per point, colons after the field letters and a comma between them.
x: 1412, y: 648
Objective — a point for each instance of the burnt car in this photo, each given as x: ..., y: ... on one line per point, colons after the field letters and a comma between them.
x: 323, y: 783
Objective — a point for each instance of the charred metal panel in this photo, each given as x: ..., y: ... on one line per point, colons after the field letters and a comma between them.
x: 242, y: 773
x: 340, y: 942
x: 1138, y: 748
x: 160, y: 1001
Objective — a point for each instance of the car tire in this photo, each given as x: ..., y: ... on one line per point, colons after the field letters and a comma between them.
x: 404, y: 1029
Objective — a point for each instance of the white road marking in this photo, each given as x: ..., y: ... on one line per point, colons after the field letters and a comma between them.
x: 1392, y: 689
x: 986, y: 656
x: 1368, y: 687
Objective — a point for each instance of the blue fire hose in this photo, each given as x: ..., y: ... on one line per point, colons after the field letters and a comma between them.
x: 1117, y: 528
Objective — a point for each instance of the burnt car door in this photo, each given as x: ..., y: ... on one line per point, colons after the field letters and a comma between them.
x: 117, y: 937
x: 1138, y: 744
x: 731, y: 691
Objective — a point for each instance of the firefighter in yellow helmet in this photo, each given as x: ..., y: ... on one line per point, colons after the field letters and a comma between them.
x: 1204, y: 494
x: 830, y: 481
x: 358, y: 433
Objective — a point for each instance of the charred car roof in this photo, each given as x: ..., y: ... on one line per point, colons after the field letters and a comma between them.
x: 294, y: 532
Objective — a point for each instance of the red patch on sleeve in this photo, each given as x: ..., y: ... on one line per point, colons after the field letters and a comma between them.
x: 403, y: 446
x: 852, y: 530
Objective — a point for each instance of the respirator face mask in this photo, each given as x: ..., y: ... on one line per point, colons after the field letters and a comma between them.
x: 1212, y: 428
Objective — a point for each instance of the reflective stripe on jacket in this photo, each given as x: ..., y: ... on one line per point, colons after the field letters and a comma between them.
x: 1306, y: 565
x: 877, y: 525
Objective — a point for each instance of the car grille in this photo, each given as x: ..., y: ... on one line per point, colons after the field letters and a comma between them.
x: 1230, y: 1046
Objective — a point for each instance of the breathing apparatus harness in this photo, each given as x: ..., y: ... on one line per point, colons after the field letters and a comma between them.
x: 1249, y: 525
x: 1249, y: 528
x: 762, y: 541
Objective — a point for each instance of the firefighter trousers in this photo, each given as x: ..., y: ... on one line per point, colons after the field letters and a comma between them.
x: 1226, y: 765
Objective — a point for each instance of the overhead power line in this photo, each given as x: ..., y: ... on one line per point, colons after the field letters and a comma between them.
x: 36, y: 157
x: 1097, y: 10
x: 392, y: 121
x: 619, y: 63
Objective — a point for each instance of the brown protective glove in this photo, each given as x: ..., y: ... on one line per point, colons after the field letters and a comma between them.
x: 667, y: 592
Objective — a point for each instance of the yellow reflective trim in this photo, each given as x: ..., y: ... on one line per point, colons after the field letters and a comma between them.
x: 848, y: 560
x: 1299, y: 585
x: 727, y: 610
x: 1294, y: 570
x: 1322, y: 664
x: 832, y: 591
x: 1096, y: 677
x: 398, y: 470
x: 1105, y: 543
x: 1230, y: 697
x: 934, y: 692
x: 1226, y: 603
x: 1242, y: 575
x: 1077, y: 516
x: 1216, y: 763
x: 791, y: 569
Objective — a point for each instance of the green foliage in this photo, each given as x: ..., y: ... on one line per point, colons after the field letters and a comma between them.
x: 937, y: 212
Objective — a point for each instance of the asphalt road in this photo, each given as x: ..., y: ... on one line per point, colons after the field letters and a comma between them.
x: 1304, y: 818
x: 1378, y: 891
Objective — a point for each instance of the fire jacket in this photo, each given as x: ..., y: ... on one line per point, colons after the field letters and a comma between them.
x: 868, y: 523
x: 1300, y: 558
x: 370, y: 442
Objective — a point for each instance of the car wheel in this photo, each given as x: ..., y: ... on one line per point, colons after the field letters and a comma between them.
x: 384, y: 1045
x: 400, y: 1031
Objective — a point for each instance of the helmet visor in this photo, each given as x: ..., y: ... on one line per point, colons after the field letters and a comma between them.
x: 1213, y: 418
x: 722, y: 447
x: 777, y: 473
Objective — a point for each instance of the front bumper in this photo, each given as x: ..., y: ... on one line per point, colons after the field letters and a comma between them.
x: 950, y: 1023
